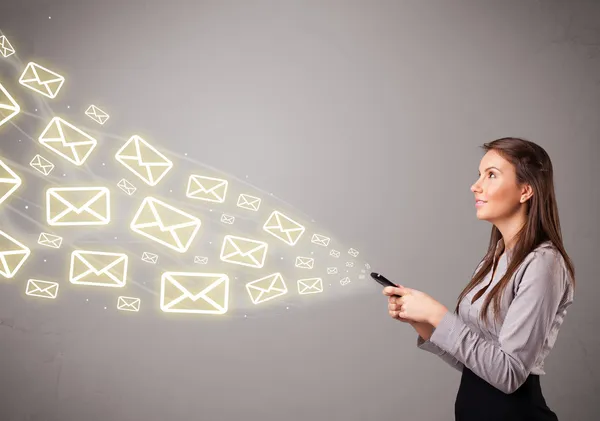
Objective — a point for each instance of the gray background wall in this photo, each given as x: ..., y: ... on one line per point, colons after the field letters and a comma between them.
x: 365, y: 116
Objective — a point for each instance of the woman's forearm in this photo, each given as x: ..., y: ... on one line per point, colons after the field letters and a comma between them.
x: 425, y: 330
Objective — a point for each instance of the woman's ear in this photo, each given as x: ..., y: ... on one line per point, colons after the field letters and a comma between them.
x: 526, y: 193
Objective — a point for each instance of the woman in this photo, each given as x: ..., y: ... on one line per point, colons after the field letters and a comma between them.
x: 507, y: 318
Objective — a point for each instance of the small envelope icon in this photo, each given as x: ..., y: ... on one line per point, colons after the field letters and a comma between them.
x: 332, y: 271
x: 165, y: 224
x: 227, y: 219
x: 49, y: 240
x: 77, y: 206
x: 98, y: 268
x: 12, y: 255
x: 9, y: 181
x: 320, y: 240
x: 202, y: 293
x: 367, y: 266
x: 310, y: 286
x: 353, y: 252
x: 209, y: 189
x: 334, y: 253
x: 8, y: 106
x: 200, y: 260
x: 245, y: 201
x: 43, y: 289
x: 150, y: 257
x: 305, y: 262
x: 144, y: 160
x: 96, y: 114
x: 41, y: 80
x: 5, y: 48
x: 128, y: 303
x: 344, y: 281
x: 283, y: 228
x: 41, y: 164
x: 267, y: 288
x: 67, y: 141
x: 244, y: 251
x: 126, y: 186
x: 349, y: 264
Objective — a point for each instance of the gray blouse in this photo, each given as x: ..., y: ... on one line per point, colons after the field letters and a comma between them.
x: 532, y: 310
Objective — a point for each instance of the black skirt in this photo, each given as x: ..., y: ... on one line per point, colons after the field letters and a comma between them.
x: 477, y: 400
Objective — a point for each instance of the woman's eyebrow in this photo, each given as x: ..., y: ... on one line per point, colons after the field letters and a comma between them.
x: 489, y: 168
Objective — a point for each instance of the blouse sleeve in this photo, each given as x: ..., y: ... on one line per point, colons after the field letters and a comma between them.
x: 428, y: 346
x: 528, y: 322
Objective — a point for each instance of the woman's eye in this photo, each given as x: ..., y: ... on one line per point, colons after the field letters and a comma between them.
x: 491, y: 173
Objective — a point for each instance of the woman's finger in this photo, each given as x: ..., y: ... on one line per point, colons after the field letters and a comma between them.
x: 391, y: 291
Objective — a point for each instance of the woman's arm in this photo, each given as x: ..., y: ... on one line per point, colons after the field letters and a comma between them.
x: 425, y: 330
x: 529, y: 320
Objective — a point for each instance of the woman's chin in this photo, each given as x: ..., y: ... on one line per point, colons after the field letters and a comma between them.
x: 481, y: 216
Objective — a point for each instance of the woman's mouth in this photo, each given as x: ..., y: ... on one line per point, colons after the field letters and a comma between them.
x: 480, y: 203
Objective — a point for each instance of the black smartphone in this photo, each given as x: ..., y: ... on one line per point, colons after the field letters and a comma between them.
x: 382, y: 280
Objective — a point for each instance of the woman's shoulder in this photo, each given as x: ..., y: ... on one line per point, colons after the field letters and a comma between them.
x: 548, y: 253
x: 545, y: 260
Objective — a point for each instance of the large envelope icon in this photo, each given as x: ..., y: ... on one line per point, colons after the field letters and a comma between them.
x: 244, y: 251
x: 202, y: 293
x: 43, y: 289
x: 12, y: 255
x: 67, y: 141
x: 49, y: 240
x: 9, y: 181
x: 165, y: 224
x: 267, y: 288
x: 96, y: 114
x: 209, y: 189
x: 8, y: 106
x: 77, y: 206
x: 41, y: 80
x: 6, y: 49
x: 305, y: 262
x: 245, y: 201
x: 283, y: 228
x: 41, y: 164
x: 128, y: 303
x: 320, y: 240
x: 353, y: 252
x: 310, y: 286
x: 144, y: 160
x: 98, y: 268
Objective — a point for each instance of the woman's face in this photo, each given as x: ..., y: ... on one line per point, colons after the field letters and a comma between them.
x: 497, y: 195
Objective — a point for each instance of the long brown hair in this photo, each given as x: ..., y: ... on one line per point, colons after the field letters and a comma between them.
x: 534, y: 167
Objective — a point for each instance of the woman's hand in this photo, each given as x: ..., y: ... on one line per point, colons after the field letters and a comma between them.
x: 413, y: 306
x: 393, y: 307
